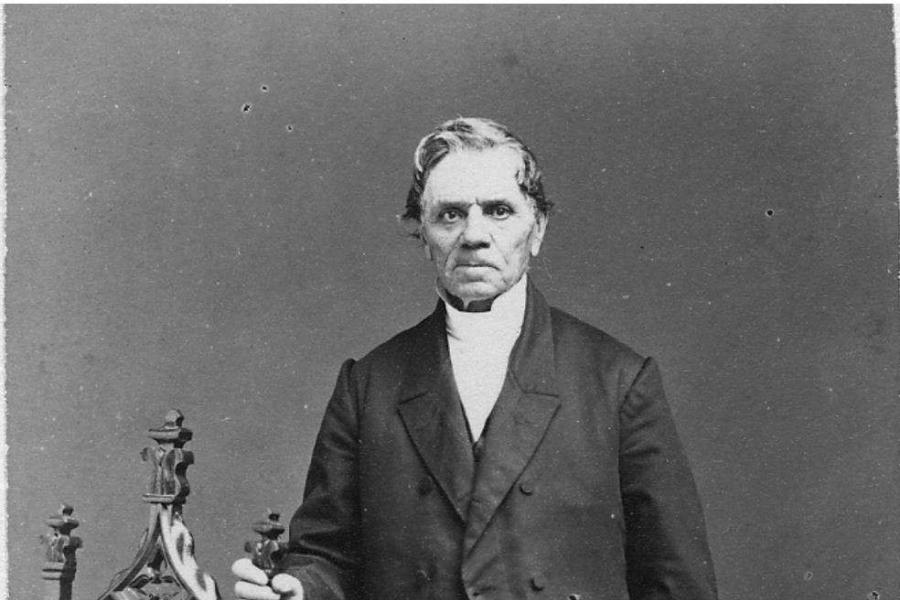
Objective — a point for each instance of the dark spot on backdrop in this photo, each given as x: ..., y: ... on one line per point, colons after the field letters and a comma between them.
x: 726, y: 191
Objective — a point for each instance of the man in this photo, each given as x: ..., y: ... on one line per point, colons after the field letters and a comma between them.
x: 500, y: 448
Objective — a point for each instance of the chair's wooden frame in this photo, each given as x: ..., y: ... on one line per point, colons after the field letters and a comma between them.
x: 164, y: 567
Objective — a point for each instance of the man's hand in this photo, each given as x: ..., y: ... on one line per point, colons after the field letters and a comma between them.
x: 254, y: 585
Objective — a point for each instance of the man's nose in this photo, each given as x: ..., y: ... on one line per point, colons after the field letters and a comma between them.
x: 477, y: 230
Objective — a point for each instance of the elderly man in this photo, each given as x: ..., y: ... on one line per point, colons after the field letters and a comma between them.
x: 500, y: 448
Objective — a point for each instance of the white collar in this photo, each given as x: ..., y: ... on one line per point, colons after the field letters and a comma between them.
x: 503, y: 319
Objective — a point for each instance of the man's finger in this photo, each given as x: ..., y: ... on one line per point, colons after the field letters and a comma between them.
x: 288, y: 586
x: 244, y: 569
x: 248, y: 591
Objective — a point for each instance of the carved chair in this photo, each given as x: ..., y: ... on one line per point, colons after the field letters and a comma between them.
x: 164, y: 567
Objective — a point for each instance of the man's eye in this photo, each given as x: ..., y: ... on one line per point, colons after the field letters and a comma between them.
x: 500, y: 211
x: 450, y: 215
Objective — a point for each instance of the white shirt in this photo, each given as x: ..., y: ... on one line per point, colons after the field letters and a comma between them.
x: 480, y: 344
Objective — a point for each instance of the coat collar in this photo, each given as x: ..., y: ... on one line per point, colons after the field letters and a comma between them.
x: 432, y: 412
x: 434, y: 419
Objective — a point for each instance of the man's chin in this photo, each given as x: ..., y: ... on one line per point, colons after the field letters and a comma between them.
x: 472, y: 292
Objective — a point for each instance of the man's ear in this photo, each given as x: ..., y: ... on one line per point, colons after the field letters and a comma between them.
x: 537, y: 233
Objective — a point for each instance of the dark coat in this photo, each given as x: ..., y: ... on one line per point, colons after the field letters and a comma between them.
x: 582, y: 491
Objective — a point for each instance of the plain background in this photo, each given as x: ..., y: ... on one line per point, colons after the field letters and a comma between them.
x: 202, y: 213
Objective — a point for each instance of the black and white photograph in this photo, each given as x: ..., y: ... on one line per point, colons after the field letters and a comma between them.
x: 451, y: 302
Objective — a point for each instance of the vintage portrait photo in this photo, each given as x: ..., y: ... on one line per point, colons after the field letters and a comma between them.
x: 451, y: 302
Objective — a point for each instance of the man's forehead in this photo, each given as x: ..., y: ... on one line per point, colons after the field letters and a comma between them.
x: 475, y: 174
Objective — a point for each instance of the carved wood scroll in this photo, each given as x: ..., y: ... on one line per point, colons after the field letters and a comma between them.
x: 164, y: 567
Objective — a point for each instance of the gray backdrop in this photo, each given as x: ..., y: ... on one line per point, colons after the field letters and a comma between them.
x: 201, y: 214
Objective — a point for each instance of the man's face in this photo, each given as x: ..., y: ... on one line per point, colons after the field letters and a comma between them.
x: 479, y: 228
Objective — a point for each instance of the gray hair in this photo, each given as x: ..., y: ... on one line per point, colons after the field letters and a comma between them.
x: 469, y: 133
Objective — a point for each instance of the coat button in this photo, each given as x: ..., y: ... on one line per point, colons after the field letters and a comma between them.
x: 425, y: 486
x: 538, y: 582
x: 526, y: 487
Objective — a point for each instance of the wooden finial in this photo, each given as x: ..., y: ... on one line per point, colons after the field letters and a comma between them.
x: 172, y: 432
x: 165, y: 567
x: 168, y: 462
x: 266, y: 551
x: 60, y: 546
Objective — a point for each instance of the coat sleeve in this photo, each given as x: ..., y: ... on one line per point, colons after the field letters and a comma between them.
x: 666, y: 549
x: 324, y: 532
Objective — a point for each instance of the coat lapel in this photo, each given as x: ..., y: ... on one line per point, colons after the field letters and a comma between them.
x: 520, y: 418
x: 433, y: 415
